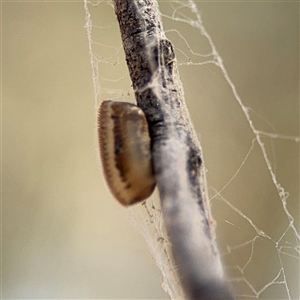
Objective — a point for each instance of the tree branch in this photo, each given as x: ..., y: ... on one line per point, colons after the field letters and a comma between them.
x: 175, y: 149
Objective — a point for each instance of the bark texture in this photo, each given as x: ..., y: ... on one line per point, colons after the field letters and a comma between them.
x: 176, y: 151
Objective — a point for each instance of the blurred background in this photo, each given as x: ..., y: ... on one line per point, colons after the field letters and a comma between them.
x: 63, y: 235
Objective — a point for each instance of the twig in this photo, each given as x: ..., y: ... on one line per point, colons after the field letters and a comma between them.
x: 176, y: 151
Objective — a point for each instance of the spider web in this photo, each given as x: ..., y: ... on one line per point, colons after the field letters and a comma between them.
x: 248, y: 127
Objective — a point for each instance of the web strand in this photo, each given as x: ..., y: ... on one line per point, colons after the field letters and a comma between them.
x: 241, y: 253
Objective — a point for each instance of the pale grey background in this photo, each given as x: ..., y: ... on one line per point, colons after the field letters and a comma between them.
x: 63, y: 236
